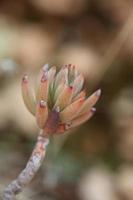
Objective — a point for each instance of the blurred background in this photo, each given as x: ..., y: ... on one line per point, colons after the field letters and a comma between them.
x: 95, y: 161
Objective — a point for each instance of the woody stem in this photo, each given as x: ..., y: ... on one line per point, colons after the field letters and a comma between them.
x: 33, y: 164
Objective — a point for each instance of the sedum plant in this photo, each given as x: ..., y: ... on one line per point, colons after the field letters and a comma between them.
x: 59, y: 104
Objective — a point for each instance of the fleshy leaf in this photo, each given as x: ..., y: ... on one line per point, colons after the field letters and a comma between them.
x: 58, y: 90
x: 90, y: 101
x: 78, y: 84
x: 51, y: 74
x: 82, y: 118
x: 28, y: 96
x: 60, y: 99
x: 71, y: 110
x: 42, y: 92
x: 61, y: 77
x: 82, y: 94
x: 65, y: 97
x: 41, y: 113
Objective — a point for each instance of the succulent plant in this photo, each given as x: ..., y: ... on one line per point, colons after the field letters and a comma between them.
x: 59, y: 104
x: 60, y: 101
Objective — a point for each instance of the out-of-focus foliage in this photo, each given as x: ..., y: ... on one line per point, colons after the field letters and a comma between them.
x: 95, y: 161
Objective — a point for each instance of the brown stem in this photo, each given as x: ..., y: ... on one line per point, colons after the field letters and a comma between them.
x: 30, y: 170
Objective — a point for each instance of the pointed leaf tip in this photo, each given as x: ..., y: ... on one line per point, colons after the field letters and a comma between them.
x: 43, y: 104
x: 25, y: 78
x: 45, y: 67
x: 98, y: 92
x: 93, y: 110
x: 90, y: 101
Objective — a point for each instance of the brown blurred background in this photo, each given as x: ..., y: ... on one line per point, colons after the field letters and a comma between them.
x: 95, y: 162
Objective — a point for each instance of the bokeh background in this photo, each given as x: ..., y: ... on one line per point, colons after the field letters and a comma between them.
x: 95, y: 161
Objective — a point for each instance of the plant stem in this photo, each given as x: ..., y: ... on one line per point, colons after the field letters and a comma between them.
x: 25, y: 177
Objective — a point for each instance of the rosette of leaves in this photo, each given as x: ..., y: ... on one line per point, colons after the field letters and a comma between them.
x: 59, y: 103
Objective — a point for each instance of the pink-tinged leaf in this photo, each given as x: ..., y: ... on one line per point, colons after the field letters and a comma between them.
x: 51, y: 74
x: 90, y: 101
x: 70, y: 112
x: 42, y: 92
x: 82, y: 118
x: 65, y: 97
x: 61, y: 77
x: 43, y: 71
x: 58, y: 90
x: 78, y: 84
x: 73, y: 70
x: 76, y: 73
x: 41, y: 113
x: 82, y: 94
x: 27, y: 94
